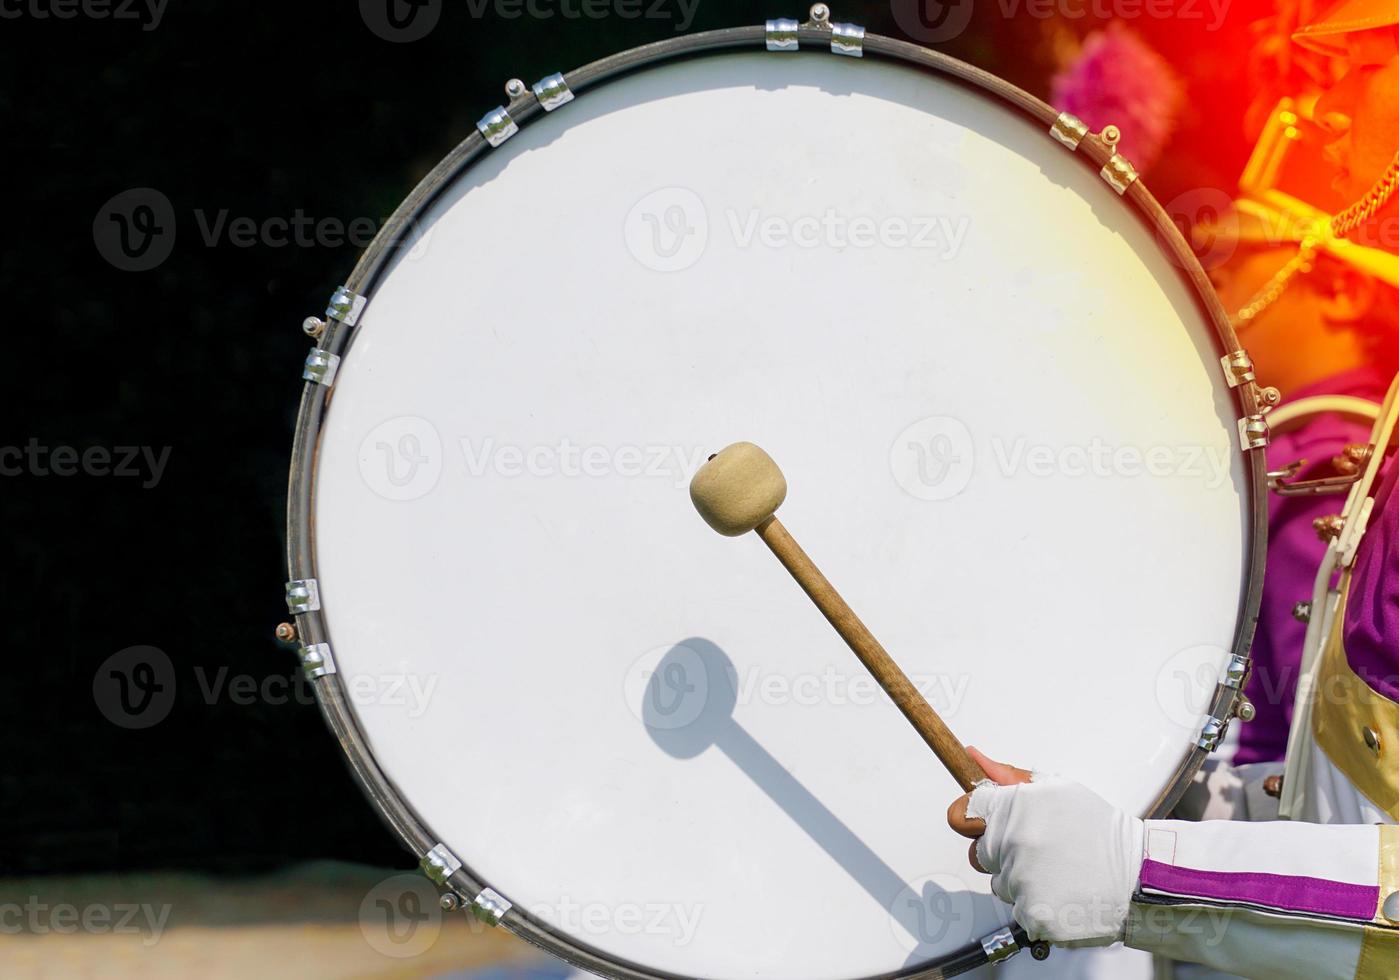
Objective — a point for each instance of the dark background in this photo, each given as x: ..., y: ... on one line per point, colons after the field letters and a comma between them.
x: 262, y: 111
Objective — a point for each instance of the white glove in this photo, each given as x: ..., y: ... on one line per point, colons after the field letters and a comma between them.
x: 1063, y: 857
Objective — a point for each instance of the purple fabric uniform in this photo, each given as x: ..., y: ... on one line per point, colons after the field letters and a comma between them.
x: 1294, y: 555
x: 1371, y: 630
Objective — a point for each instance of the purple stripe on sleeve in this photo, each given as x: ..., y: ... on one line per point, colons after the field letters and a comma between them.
x: 1286, y: 892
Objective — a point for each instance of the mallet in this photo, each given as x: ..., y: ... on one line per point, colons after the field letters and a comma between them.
x: 739, y: 490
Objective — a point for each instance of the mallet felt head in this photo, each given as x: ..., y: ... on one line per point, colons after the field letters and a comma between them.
x: 738, y: 489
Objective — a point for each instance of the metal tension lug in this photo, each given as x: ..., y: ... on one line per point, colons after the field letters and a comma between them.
x: 1119, y: 173
x: 1213, y: 734
x: 552, y: 92
x: 321, y: 367
x: 490, y: 907
x: 346, y: 306
x: 848, y: 39
x: 782, y: 35
x: 303, y: 596
x: 1238, y: 368
x: 439, y: 864
x: 1069, y: 130
x: 316, y: 660
x: 497, y: 126
x: 1236, y: 674
x: 999, y: 945
x: 1254, y: 432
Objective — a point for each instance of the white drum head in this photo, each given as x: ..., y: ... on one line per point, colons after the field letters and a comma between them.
x: 1008, y: 443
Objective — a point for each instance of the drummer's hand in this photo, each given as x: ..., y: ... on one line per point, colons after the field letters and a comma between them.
x: 1062, y: 857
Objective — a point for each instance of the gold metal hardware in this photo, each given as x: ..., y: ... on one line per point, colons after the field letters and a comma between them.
x: 1069, y: 130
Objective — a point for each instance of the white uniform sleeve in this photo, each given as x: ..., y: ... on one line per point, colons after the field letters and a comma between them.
x: 1276, y: 900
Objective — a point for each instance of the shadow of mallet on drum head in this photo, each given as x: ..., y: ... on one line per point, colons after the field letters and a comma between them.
x: 688, y: 706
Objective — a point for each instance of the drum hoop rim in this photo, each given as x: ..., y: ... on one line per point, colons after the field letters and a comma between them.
x: 374, y: 262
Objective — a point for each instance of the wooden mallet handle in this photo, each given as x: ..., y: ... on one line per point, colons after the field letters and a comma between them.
x: 739, y: 490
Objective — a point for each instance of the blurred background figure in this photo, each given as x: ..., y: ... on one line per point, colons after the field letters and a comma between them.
x: 1319, y: 315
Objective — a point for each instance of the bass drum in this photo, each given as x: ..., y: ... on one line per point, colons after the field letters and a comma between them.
x: 995, y: 387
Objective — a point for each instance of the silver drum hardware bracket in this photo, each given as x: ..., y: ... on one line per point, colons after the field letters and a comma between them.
x: 552, y: 92
x: 1213, y: 733
x: 497, y: 126
x: 490, y: 906
x: 316, y: 660
x: 321, y: 367
x: 439, y: 864
x: 303, y: 596
x: 782, y: 35
x: 999, y: 945
x: 346, y: 306
x: 846, y: 39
